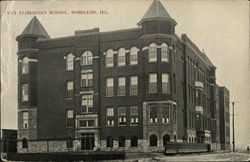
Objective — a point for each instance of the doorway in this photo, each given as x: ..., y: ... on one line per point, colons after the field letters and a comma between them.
x: 87, y: 141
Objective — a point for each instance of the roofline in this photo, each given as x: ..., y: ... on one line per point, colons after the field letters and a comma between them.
x: 156, y: 19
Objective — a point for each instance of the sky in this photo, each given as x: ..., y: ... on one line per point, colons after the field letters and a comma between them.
x: 220, y: 27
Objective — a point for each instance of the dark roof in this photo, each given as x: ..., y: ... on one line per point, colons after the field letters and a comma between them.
x: 156, y: 11
x: 35, y: 28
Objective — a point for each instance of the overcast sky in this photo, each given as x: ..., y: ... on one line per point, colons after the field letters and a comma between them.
x: 219, y: 27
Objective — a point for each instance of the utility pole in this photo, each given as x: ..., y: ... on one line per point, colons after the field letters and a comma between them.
x: 233, y: 129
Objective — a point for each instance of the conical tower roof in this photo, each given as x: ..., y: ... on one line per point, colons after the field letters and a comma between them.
x: 35, y: 28
x: 156, y: 11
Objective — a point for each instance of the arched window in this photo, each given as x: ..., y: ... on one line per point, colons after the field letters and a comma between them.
x: 153, y: 140
x: 164, y: 53
x: 133, y: 56
x: 69, y: 143
x: 70, y: 62
x: 25, y: 65
x: 152, y: 53
x: 134, y: 141
x: 87, y: 58
x: 109, y: 141
x: 121, y: 61
x: 109, y: 58
x: 121, y: 141
x: 166, y: 138
x: 24, y: 143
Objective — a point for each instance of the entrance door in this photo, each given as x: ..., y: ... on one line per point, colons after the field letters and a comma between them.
x: 87, y: 141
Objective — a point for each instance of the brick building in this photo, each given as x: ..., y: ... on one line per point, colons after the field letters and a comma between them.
x: 132, y: 89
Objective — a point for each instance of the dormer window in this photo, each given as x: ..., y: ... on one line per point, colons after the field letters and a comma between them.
x: 109, y: 58
x: 87, y: 58
x: 152, y: 53
x: 70, y: 62
x: 25, y: 65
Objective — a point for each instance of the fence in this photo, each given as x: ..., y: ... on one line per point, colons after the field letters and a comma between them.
x: 172, y: 147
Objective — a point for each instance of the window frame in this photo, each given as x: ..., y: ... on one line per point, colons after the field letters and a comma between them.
x: 109, y: 89
x: 121, y: 57
x: 133, y: 88
x: 109, y: 55
x: 69, y: 91
x: 89, y: 100
x: 87, y: 58
x: 69, y: 117
x: 152, y: 53
x: 25, y: 65
x: 133, y: 53
x: 70, y: 62
x: 24, y: 92
x: 165, y: 88
x: 88, y: 79
x: 122, y: 116
x: 164, y: 52
x: 152, y: 86
x: 121, y: 88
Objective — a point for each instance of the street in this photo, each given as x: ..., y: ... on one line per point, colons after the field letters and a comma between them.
x: 223, y: 156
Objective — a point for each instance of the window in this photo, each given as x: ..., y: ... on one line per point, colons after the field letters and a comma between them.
x: 121, y: 86
x: 133, y: 85
x: 69, y: 92
x: 87, y: 103
x: 110, y: 116
x: 121, y: 142
x: 165, y: 113
x: 109, y: 58
x: 164, y: 53
x: 25, y: 117
x: 109, y: 87
x: 25, y: 65
x: 109, y: 141
x: 24, y: 143
x: 133, y: 115
x: 153, y: 113
x: 153, y: 140
x: 25, y: 92
x: 86, y: 79
x: 122, y: 115
x: 70, y: 62
x: 69, y: 118
x: 87, y: 123
x: 87, y: 58
x: 121, y: 57
x: 133, y: 56
x: 153, y: 83
x: 134, y: 141
x: 152, y: 53
x: 69, y: 143
x: 165, y: 83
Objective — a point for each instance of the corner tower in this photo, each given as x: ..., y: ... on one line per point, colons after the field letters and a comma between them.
x: 27, y: 79
x: 157, y: 20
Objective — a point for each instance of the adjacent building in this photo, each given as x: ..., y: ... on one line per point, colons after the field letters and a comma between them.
x: 132, y: 89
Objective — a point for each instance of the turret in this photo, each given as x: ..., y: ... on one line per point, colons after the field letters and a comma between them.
x: 27, y: 78
x: 157, y: 20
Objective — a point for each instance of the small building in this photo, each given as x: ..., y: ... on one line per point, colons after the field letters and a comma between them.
x: 9, y: 140
x: 224, y: 118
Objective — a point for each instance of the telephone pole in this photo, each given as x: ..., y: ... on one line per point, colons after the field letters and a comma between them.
x: 233, y: 127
